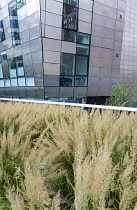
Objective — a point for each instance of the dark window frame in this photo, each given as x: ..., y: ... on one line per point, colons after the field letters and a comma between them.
x: 75, y: 75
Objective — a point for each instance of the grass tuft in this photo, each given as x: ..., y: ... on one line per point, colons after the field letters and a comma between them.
x: 55, y: 158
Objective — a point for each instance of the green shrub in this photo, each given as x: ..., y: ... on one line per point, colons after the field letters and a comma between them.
x: 121, y: 94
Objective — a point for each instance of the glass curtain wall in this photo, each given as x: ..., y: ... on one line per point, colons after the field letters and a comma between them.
x: 13, y: 14
x: 74, y: 67
x: 2, y: 35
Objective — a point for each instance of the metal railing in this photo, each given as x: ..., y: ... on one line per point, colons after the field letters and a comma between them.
x: 87, y: 106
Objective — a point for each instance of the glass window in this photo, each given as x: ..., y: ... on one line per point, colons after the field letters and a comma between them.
x: 13, y: 73
x: 67, y: 64
x: 82, y: 49
x: 65, y: 100
x: 12, y: 63
x: 30, y: 81
x: 15, y: 35
x: 1, y: 24
x: 83, y: 38
x: 20, y: 3
x: 70, y: 17
x: 12, y: 67
x: 2, y: 36
x: 21, y: 81
x: 80, y: 81
x: 72, y: 2
x: 20, y: 71
x: 15, y: 39
x: 19, y: 65
x: 68, y: 35
x: 14, y: 24
x: 66, y: 81
x: 3, y: 55
x: 81, y: 65
x: 13, y: 8
x: 1, y: 73
x: 1, y: 83
x: 14, y: 82
x: 7, y: 82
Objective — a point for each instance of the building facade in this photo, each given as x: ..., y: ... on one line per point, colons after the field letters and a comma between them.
x: 66, y: 49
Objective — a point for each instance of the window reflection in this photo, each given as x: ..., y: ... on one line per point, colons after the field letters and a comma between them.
x: 81, y: 65
x: 70, y: 17
x: 1, y: 83
x: 20, y: 3
x: 7, y: 83
x: 75, y: 70
x: 14, y: 24
x: 67, y: 64
x: 13, y: 8
x: 16, y: 67
x: 66, y: 81
x: 68, y: 35
x: 80, y: 81
x: 2, y: 35
x: 82, y: 49
x: 72, y: 2
x: 1, y: 72
x: 83, y: 38
x: 3, y: 55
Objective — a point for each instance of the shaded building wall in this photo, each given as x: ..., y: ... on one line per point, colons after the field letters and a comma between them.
x: 104, y: 21
x: 60, y: 49
x: 106, y: 44
x: 128, y: 67
x: 54, y: 46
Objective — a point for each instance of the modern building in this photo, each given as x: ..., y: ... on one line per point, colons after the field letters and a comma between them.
x: 66, y: 49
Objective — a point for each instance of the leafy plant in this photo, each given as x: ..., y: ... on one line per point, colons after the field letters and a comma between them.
x: 121, y: 94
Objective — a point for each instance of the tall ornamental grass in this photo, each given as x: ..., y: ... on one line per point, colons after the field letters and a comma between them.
x: 57, y: 157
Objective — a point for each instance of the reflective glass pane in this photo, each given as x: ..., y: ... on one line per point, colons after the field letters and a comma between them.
x: 2, y: 36
x: 12, y: 64
x: 1, y: 73
x: 80, y: 81
x: 65, y: 100
x: 15, y: 38
x: 83, y: 38
x: 72, y: 2
x: 81, y: 65
x: 13, y: 73
x: 13, y: 8
x: 14, y: 82
x: 1, y: 83
x: 70, y: 17
x: 15, y: 35
x: 14, y: 24
x: 21, y: 81
x: 68, y: 35
x: 67, y: 64
x: 1, y: 24
x: 7, y: 82
x: 82, y: 49
x: 3, y: 55
x: 19, y: 65
x: 20, y: 3
x: 66, y: 81
x: 20, y: 71
x: 30, y: 81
